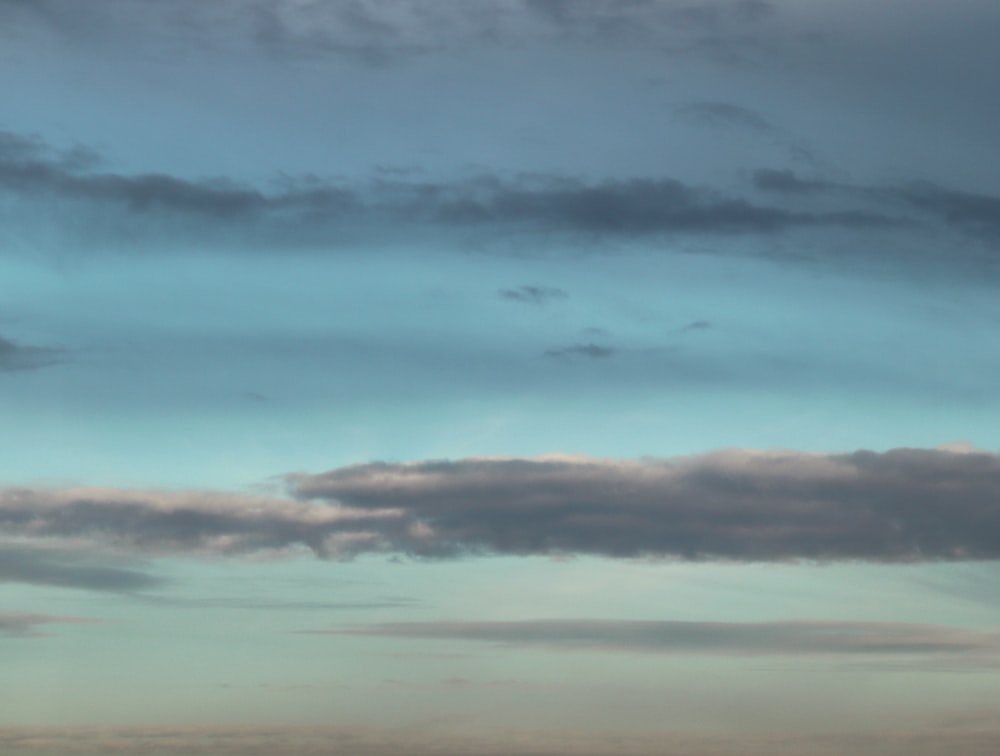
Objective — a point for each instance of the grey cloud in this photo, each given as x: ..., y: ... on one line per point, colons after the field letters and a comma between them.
x: 591, y: 350
x: 378, y: 33
x: 978, y: 213
x: 68, y: 568
x: 902, y: 505
x: 751, y: 639
x: 319, y: 211
x: 897, y: 506
x: 26, y: 625
x: 192, y: 523
x: 16, y: 357
x: 536, y: 295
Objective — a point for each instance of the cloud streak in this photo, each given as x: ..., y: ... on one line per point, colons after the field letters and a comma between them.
x: 26, y: 625
x: 69, y: 568
x: 810, y: 638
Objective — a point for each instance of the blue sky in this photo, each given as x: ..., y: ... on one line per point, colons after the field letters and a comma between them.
x: 507, y: 376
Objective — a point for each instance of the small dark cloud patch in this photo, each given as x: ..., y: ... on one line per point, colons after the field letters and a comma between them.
x: 788, y: 182
x: 696, y: 325
x: 535, y: 295
x: 16, y: 357
x: 590, y: 350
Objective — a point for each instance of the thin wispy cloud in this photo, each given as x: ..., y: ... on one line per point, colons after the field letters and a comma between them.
x: 14, y: 625
x: 809, y: 638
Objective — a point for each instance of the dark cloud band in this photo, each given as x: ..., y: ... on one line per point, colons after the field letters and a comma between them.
x: 903, y: 505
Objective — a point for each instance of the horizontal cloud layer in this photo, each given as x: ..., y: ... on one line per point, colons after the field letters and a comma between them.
x: 741, y: 638
x: 897, y: 506
x: 931, y: 737
x: 378, y: 33
x: 322, y: 211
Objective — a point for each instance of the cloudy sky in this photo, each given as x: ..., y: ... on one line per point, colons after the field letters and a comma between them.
x: 533, y: 377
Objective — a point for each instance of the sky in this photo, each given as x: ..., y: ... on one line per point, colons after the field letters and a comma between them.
x: 499, y: 377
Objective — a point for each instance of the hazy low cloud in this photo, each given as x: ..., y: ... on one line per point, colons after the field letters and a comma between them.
x: 26, y: 625
x: 738, y: 638
x: 69, y: 568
